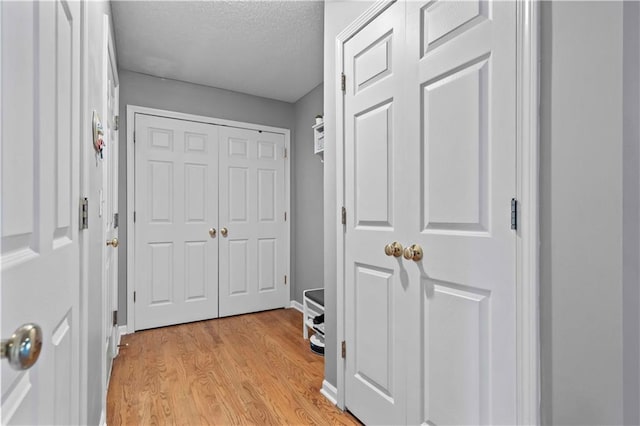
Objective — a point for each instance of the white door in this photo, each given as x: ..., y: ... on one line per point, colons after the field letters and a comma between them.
x: 40, y: 262
x: 376, y: 202
x: 176, y: 216
x: 252, y: 212
x: 462, y: 177
x: 110, y: 212
x: 441, y: 152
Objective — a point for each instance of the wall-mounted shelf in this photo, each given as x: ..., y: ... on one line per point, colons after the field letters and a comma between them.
x: 318, y: 140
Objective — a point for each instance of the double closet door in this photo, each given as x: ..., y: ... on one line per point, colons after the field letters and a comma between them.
x: 430, y: 171
x: 209, y: 221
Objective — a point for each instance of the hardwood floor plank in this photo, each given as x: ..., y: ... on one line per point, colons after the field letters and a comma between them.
x: 247, y: 369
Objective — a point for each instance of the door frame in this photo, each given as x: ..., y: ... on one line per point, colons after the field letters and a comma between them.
x: 132, y: 110
x: 527, y: 194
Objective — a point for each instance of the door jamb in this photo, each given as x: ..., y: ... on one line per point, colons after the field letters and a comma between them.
x: 527, y: 193
x: 132, y: 110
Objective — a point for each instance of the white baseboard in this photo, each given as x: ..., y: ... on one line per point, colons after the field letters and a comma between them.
x: 330, y: 392
x: 296, y: 305
x: 122, y: 330
x: 103, y: 419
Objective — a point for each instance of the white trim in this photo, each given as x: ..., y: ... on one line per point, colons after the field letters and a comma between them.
x: 103, y: 418
x: 527, y: 193
x: 122, y: 330
x: 330, y: 392
x: 296, y: 305
x: 83, y: 235
x: 527, y: 256
x: 360, y: 22
x: 132, y: 110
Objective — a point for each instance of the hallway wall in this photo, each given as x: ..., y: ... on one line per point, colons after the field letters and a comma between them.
x: 307, y: 248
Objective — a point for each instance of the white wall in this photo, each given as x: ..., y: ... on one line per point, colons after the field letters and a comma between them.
x: 337, y: 15
x: 307, y: 252
x: 582, y: 212
x: 144, y: 90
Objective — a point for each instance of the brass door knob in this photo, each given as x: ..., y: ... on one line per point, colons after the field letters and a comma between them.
x: 113, y: 243
x: 393, y: 249
x: 212, y: 232
x: 23, y: 348
x: 413, y: 252
x: 224, y: 232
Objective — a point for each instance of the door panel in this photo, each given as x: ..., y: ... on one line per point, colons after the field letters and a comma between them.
x: 374, y: 283
x: 462, y: 79
x: 110, y: 183
x: 176, y: 205
x: 252, y: 200
x: 40, y: 178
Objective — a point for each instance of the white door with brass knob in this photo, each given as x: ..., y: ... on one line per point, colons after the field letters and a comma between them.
x: 110, y: 217
x: 40, y: 249
x: 252, y: 209
x: 429, y: 158
x: 176, y: 256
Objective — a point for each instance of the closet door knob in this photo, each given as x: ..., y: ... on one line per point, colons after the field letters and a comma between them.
x: 224, y: 232
x: 212, y: 232
x: 413, y: 253
x: 393, y: 249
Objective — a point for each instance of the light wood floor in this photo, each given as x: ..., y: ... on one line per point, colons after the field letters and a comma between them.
x: 248, y: 369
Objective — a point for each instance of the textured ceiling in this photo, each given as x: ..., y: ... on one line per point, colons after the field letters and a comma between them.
x: 263, y: 48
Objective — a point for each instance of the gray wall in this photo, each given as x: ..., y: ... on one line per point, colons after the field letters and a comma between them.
x: 631, y: 213
x: 143, y: 90
x: 307, y: 214
x: 337, y: 15
x: 588, y: 369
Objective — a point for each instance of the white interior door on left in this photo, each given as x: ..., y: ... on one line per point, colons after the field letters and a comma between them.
x: 176, y: 209
x: 40, y: 262
x: 110, y: 216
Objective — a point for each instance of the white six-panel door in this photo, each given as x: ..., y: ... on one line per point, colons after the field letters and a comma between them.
x: 252, y: 209
x: 430, y: 160
x: 176, y: 205
x: 462, y: 80
x: 40, y: 203
x: 376, y: 199
x: 110, y: 178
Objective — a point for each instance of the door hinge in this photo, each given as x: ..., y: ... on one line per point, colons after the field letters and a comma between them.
x: 134, y: 217
x: 134, y: 297
x: 115, y: 220
x: 285, y: 216
x: 115, y: 318
x: 343, y: 82
x: 285, y: 280
x: 514, y: 214
x: 116, y: 122
x: 344, y: 215
x: 134, y: 136
x: 344, y: 349
x: 84, y: 213
x: 285, y: 153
